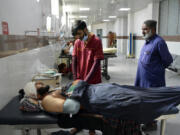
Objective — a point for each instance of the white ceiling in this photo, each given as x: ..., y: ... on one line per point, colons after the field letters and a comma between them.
x: 101, y: 9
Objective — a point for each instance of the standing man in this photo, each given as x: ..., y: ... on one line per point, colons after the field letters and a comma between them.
x: 86, y: 56
x: 153, y: 61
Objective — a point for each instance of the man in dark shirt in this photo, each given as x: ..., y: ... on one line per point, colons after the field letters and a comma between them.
x: 153, y: 61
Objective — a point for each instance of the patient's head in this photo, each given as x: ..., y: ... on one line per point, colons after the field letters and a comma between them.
x: 36, y: 90
x: 42, y: 89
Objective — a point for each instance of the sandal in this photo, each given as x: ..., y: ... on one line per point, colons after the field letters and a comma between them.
x: 61, y: 132
x: 92, y: 132
x: 75, y: 132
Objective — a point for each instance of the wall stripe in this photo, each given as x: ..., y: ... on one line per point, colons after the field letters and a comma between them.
x: 166, y: 38
x: 13, y: 44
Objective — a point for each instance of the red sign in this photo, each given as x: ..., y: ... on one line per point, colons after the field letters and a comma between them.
x: 5, y: 29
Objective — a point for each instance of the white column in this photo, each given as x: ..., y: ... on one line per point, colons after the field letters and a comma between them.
x: 124, y: 33
x: 130, y: 27
x: 155, y: 12
x: 117, y: 30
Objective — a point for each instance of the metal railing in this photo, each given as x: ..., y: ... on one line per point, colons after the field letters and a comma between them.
x: 39, y: 33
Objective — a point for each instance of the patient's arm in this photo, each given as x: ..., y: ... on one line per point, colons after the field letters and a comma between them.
x: 57, y: 93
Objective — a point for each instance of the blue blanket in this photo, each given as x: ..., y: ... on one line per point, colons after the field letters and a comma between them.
x: 127, y: 102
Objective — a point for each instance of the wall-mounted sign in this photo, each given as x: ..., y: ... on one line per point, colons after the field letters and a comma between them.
x: 5, y: 29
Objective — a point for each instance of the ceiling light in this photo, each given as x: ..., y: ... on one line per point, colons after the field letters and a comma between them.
x: 38, y: 0
x: 124, y: 9
x: 106, y: 20
x: 84, y: 9
x: 83, y: 17
x: 112, y: 16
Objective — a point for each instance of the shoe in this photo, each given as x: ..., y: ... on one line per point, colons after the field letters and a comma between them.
x: 61, y: 132
x: 149, y: 126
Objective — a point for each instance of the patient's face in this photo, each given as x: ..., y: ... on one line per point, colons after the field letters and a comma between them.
x: 39, y: 85
x: 42, y: 89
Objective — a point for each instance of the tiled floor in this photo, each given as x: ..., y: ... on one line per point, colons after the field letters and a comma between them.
x: 123, y: 71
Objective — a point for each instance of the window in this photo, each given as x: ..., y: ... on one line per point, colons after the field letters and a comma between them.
x: 48, y: 24
x: 55, y: 8
x: 169, y: 17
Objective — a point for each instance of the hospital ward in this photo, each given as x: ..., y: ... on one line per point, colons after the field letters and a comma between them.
x: 90, y: 67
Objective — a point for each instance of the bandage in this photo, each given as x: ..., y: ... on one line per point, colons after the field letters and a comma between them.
x: 30, y: 90
x: 71, y: 106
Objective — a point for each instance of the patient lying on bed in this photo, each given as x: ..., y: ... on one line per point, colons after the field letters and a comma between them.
x: 108, y: 100
x: 38, y: 97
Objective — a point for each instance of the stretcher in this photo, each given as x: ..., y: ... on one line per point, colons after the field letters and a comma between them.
x: 69, y: 61
x: 11, y: 115
x: 104, y: 66
x: 25, y: 121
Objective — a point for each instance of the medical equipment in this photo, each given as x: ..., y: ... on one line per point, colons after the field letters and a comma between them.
x: 50, y: 77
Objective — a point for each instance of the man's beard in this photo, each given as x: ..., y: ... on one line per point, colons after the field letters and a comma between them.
x: 147, y: 35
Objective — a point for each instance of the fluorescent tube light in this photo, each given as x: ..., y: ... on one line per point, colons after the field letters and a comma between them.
x: 124, y: 9
x: 84, y: 9
x: 106, y: 20
x: 83, y: 17
x: 112, y: 16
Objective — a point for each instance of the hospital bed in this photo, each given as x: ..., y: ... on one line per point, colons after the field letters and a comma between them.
x: 25, y: 121
x: 104, y: 64
x: 11, y: 115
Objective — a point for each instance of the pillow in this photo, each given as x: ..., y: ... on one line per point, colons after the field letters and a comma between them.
x: 29, y: 105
